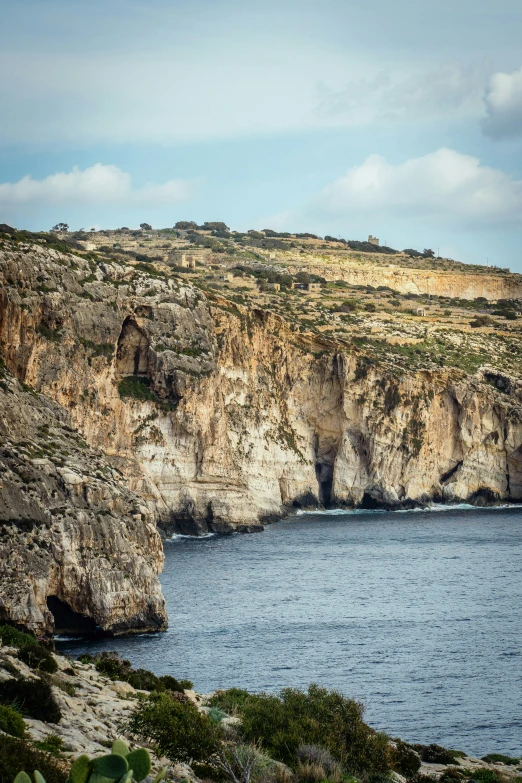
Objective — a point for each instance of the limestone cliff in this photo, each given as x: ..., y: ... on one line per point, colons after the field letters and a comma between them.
x: 221, y: 416
x: 79, y: 551
x: 496, y: 285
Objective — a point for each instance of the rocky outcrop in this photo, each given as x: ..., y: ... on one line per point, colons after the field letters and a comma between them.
x: 460, y: 285
x: 79, y: 551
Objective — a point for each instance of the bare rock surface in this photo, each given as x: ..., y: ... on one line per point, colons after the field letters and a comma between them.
x: 79, y: 550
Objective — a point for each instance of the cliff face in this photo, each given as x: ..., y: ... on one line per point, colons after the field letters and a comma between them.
x: 79, y: 551
x: 220, y: 417
x: 425, y: 281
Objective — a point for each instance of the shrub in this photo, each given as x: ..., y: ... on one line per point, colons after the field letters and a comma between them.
x: 243, y: 763
x: 116, y: 668
x: 137, y: 387
x: 407, y: 760
x: 34, y: 698
x: 316, y: 717
x: 12, y: 637
x: 110, y: 664
x: 172, y: 684
x: 312, y: 772
x: 434, y: 754
x: 481, y: 320
x: 17, y: 755
x: 175, y: 727
x: 11, y: 721
x: 370, y: 307
x: 231, y: 700
x: 216, y: 715
x: 485, y: 775
x: 38, y: 657
x: 143, y: 680
x: 493, y: 758
x: 313, y: 758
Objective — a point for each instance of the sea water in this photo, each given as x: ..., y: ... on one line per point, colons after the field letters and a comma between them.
x: 416, y: 614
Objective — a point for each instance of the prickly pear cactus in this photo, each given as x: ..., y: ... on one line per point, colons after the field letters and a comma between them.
x: 122, y: 765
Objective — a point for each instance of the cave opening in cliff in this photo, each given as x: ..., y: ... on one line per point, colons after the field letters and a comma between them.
x: 66, y: 620
x: 132, y: 350
x: 324, y: 474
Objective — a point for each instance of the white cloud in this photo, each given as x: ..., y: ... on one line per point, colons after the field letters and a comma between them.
x: 503, y: 101
x: 96, y: 185
x: 443, y: 185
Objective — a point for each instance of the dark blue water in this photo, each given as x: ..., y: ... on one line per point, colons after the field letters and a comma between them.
x: 416, y: 614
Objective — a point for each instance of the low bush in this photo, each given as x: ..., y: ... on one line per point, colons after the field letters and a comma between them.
x: 407, y: 761
x: 216, y: 715
x: 136, y: 387
x: 117, y: 668
x: 317, y: 763
x: 243, y: 763
x: 143, y: 680
x: 11, y: 721
x: 317, y: 716
x: 493, y: 758
x: 434, y: 754
x: 34, y: 698
x: 452, y: 775
x: 231, y: 700
x: 172, y: 684
x: 12, y: 637
x: 485, y: 775
x: 175, y: 727
x: 481, y: 320
x: 38, y: 657
x: 17, y: 755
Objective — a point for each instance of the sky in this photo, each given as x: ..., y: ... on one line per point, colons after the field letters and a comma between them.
x: 341, y: 117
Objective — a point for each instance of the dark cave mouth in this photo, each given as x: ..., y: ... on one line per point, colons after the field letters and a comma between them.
x: 67, y: 621
x: 324, y: 475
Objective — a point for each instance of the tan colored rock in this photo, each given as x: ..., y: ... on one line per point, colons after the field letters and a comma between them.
x: 242, y: 418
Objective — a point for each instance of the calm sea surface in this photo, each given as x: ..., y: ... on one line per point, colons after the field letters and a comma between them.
x: 416, y: 614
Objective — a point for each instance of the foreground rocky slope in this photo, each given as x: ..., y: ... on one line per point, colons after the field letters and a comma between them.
x: 92, y: 708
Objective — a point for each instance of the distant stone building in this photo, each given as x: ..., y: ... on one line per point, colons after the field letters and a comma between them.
x: 420, y: 311
x: 313, y: 286
x: 188, y: 258
x: 373, y: 240
x: 273, y: 286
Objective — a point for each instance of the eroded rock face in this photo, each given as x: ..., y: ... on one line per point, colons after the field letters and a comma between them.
x: 494, y: 285
x: 233, y: 417
x: 79, y: 551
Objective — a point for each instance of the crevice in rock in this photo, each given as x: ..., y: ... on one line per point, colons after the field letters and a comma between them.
x: 451, y: 472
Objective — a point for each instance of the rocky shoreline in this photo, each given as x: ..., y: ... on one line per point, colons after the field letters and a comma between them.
x: 94, y: 706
